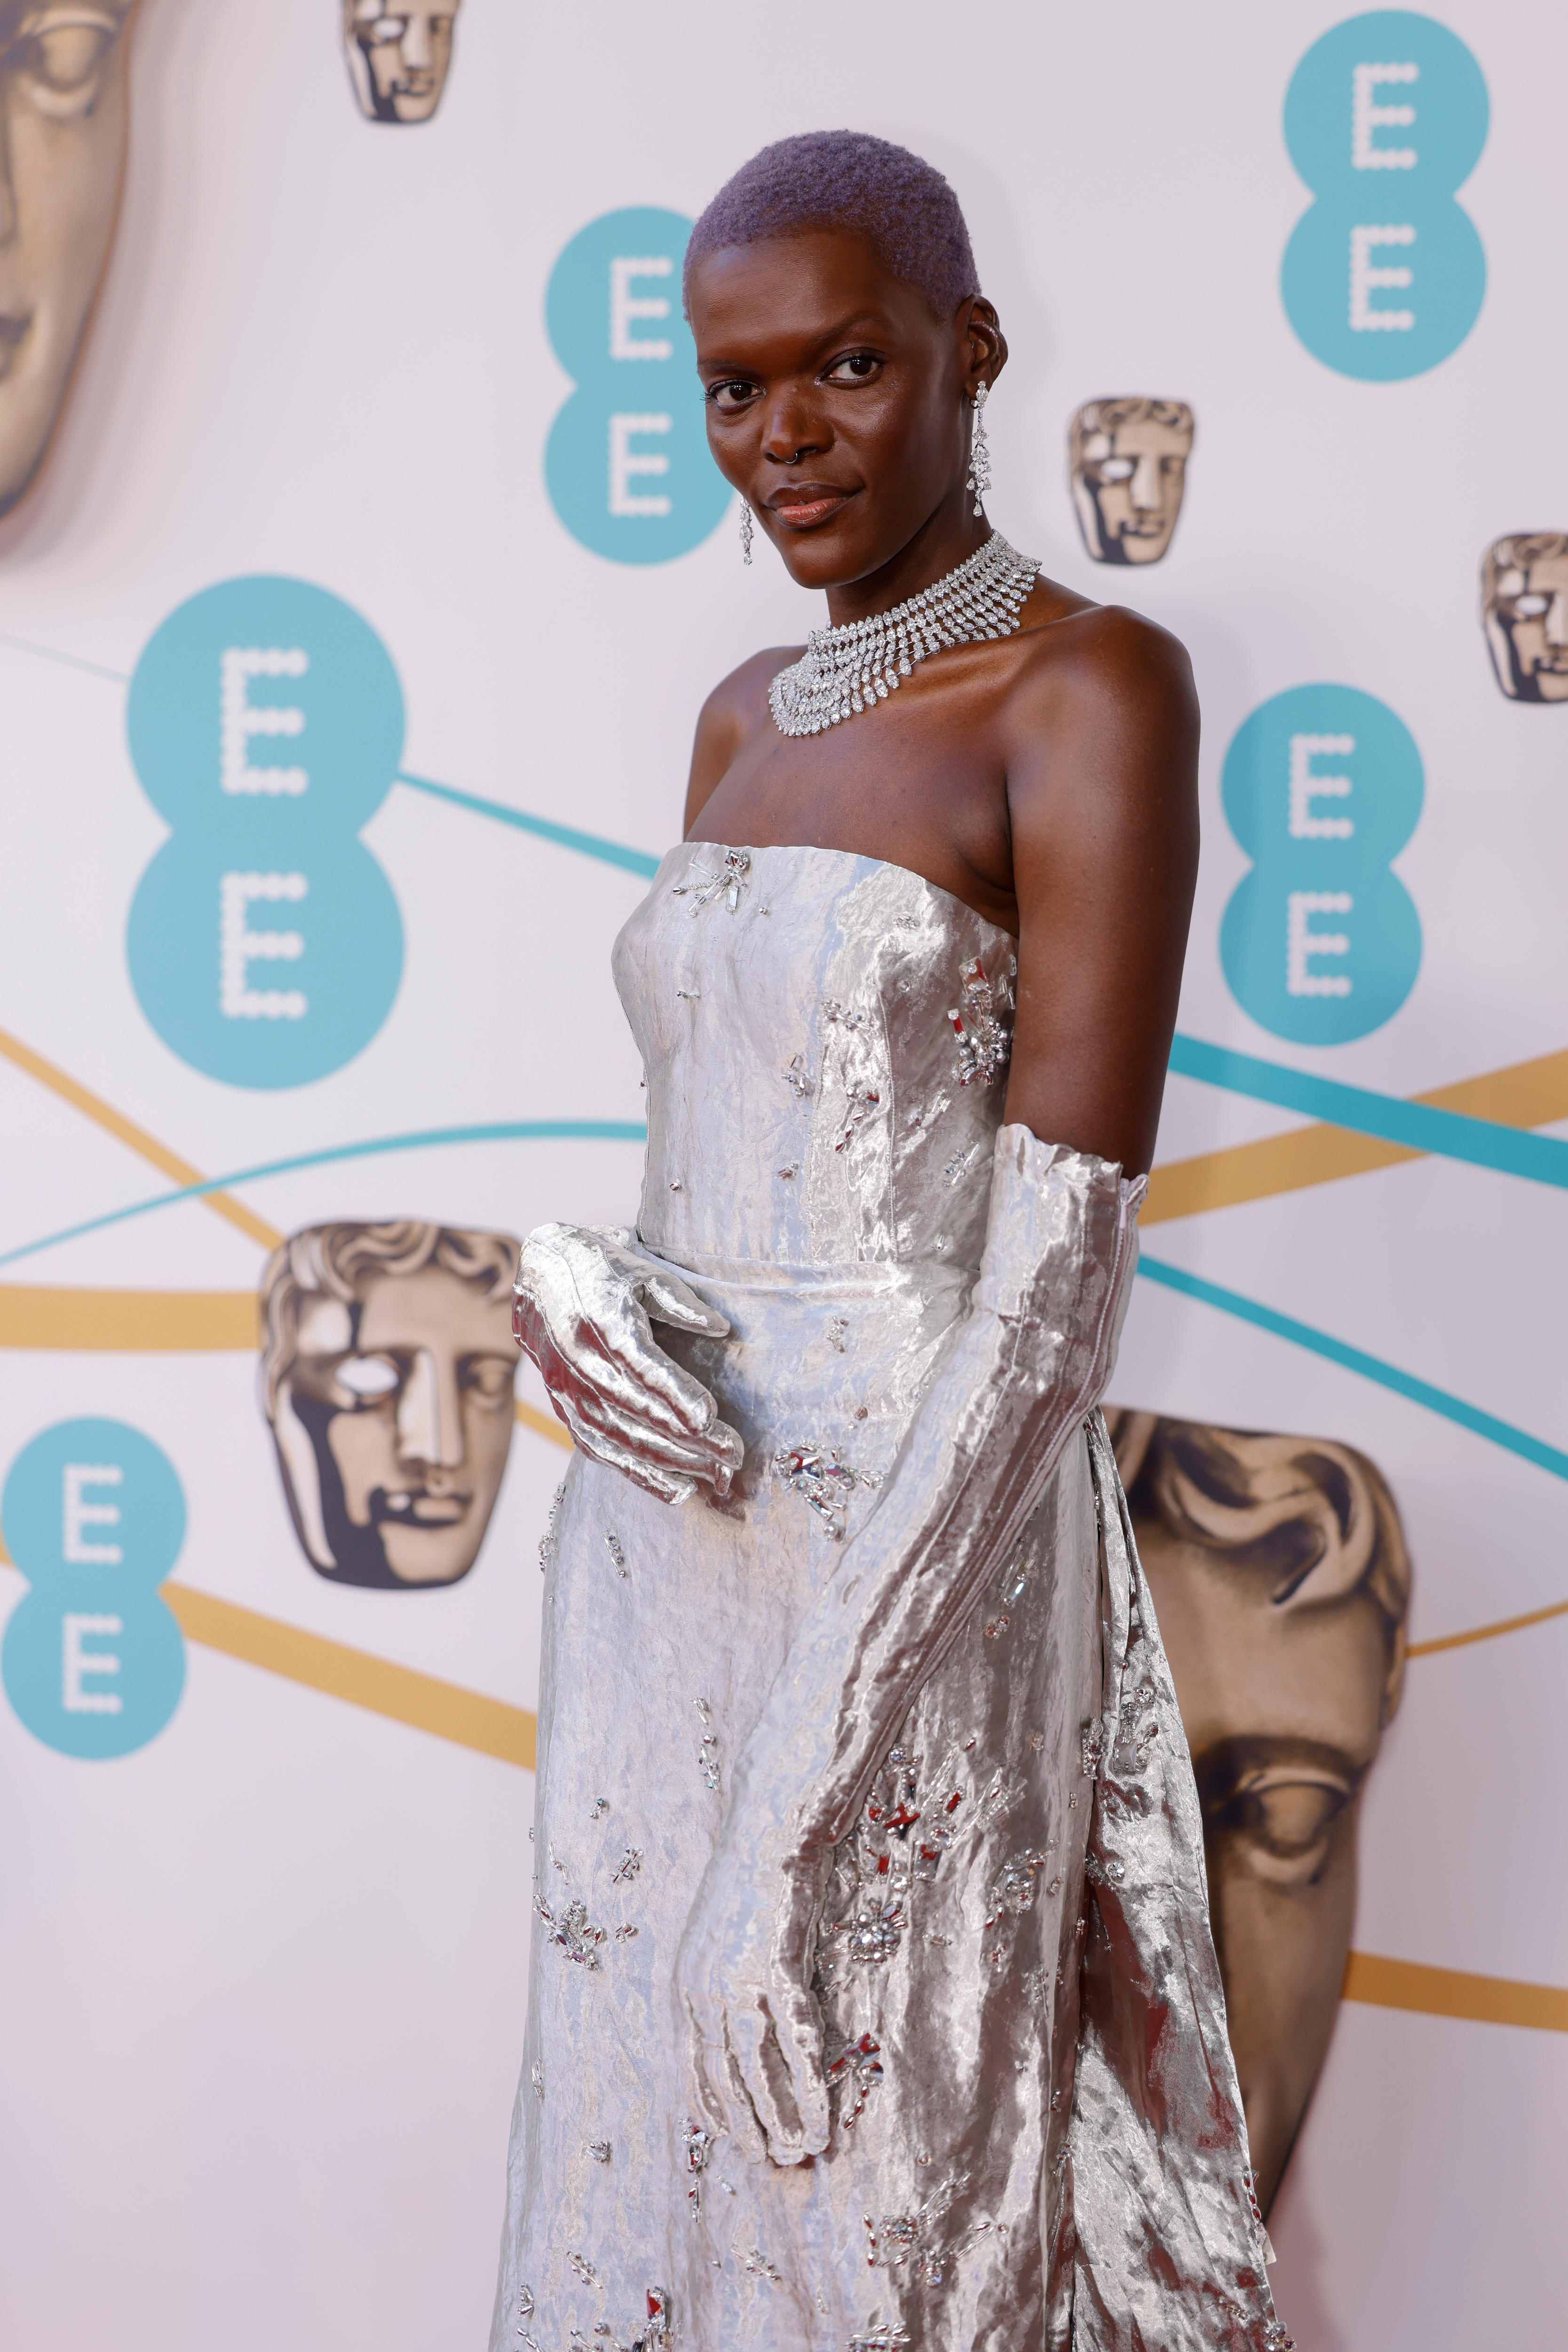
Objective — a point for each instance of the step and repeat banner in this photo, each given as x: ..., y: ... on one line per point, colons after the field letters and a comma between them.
x: 361, y: 571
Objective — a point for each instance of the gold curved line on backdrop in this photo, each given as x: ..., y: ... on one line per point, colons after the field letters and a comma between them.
x: 1454, y: 1992
x: 191, y: 1322
x: 104, y: 1114
x: 489, y: 1727
x: 184, y: 1322
x: 543, y: 1424
x: 1486, y: 1633
x: 1524, y: 1094
x: 151, y: 1321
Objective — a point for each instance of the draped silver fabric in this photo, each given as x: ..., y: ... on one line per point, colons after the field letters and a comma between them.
x: 873, y: 2000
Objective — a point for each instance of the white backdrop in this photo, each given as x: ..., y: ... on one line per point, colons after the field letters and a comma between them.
x: 265, y: 1977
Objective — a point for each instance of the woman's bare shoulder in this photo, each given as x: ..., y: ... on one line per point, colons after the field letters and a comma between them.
x: 1104, y: 652
x: 742, y: 699
x: 734, y: 712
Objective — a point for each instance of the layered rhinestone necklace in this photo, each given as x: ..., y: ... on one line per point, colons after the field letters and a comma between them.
x: 855, y: 666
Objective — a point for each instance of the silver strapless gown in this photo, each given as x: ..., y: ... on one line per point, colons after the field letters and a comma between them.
x: 1035, y: 2134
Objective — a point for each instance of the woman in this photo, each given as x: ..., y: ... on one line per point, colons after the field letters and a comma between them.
x: 873, y: 1998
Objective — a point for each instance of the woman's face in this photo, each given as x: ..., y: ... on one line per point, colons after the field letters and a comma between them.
x: 837, y: 398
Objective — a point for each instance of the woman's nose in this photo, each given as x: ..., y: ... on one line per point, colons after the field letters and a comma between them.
x: 790, y: 430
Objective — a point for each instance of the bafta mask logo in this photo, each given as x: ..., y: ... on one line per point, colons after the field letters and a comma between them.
x: 1524, y: 611
x: 62, y: 152
x: 386, y: 1373
x: 1128, y: 463
x: 1280, y: 1582
x: 398, y: 57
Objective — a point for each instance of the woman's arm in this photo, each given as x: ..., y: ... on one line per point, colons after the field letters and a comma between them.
x: 1101, y: 746
x: 1102, y: 784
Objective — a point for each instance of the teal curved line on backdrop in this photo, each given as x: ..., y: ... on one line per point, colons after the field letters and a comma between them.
x: 71, y: 661
x: 1356, y: 1360
x: 525, y: 1130
x: 588, y: 845
x: 1446, y: 1134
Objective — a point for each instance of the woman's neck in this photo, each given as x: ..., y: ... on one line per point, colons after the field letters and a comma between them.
x: 947, y: 539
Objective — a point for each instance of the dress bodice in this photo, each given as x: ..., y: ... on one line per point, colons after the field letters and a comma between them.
x: 824, y: 1041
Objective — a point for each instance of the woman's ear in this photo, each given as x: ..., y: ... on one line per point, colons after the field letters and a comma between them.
x: 985, y: 347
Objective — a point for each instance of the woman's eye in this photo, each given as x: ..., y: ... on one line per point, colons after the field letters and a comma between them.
x: 733, y: 393
x: 856, y: 369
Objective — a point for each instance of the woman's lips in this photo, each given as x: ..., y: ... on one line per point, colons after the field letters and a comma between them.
x: 806, y: 503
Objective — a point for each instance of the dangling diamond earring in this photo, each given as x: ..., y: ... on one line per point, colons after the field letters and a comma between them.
x: 745, y: 528
x: 979, y: 480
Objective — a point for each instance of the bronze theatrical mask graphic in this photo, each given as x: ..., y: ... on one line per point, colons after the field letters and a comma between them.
x: 62, y: 155
x: 1281, y: 1582
x: 398, y: 57
x: 386, y: 1373
x: 1128, y: 460
x: 1524, y: 611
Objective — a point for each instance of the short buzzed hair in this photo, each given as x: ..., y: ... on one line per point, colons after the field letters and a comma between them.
x: 902, y: 206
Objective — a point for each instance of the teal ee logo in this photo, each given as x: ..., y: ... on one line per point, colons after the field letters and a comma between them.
x: 1384, y: 118
x: 627, y: 463
x: 1323, y: 786
x: 94, y: 1515
x: 266, y: 723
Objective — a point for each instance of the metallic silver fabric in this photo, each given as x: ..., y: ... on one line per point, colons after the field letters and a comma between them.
x: 873, y: 2001
x: 581, y: 1306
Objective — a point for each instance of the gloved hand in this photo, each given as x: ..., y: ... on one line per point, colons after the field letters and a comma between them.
x: 580, y: 1309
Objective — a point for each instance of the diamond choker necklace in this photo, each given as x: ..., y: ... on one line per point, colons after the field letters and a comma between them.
x: 853, y: 667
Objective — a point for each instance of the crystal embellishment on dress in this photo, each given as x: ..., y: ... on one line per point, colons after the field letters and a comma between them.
x: 820, y: 1479
x: 862, y: 1100
x: 797, y: 1079
x: 860, y: 2063
x: 696, y: 2146
x: 548, y: 1541
x: 984, y: 1045
x: 659, y: 2333
x: 727, y: 884
x: 881, y: 2336
x: 584, y: 2269
x: 707, y: 1753
x: 853, y: 667
x: 573, y: 1932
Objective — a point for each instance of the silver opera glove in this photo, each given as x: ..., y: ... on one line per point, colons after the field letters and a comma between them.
x: 1024, y: 1364
x: 583, y: 1304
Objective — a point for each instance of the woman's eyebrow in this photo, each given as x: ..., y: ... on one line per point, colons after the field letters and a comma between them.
x: 862, y: 325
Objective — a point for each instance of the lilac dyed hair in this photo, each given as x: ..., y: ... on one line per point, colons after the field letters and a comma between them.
x: 903, y: 207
